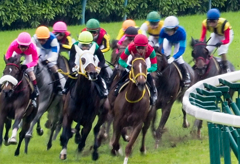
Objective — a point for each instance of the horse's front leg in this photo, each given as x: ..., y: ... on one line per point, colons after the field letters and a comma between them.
x: 84, y: 133
x: 66, y: 134
x: 25, y: 126
x: 2, y: 118
x: 12, y: 140
x: 8, y: 123
x: 186, y: 124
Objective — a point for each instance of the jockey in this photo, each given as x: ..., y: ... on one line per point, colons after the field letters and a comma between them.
x: 100, y: 36
x: 152, y: 27
x: 129, y: 35
x: 24, y: 46
x: 221, y: 34
x: 127, y: 23
x: 140, y: 45
x: 48, y: 51
x: 63, y: 36
x: 85, y: 42
x: 174, y: 35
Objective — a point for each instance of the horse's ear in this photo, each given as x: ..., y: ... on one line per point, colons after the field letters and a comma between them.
x: 92, y: 49
x: 4, y: 58
x: 193, y: 42
x: 205, y: 41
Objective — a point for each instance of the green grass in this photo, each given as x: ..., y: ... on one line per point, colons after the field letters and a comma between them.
x: 177, y: 146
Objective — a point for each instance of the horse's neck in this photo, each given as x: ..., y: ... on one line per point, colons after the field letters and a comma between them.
x: 133, y: 92
x: 43, y: 76
x: 83, y: 85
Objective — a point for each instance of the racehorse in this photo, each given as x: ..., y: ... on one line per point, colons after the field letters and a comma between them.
x: 82, y: 104
x: 169, y: 83
x: 15, y: 102
x: 48, y: 100
x: 205, y: 66
x: 132, y: 108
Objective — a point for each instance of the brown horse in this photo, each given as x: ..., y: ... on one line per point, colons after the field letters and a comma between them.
x: 82, y: 104
x: 170, y: 88
x: 15, y: 102
x: 205, y: 66
x: 132, y: 108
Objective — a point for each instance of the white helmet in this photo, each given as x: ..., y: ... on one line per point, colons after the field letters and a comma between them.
x: 171, y: 22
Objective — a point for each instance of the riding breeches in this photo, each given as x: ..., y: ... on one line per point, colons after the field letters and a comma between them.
x: 167, y: 47
x: 215, y: 38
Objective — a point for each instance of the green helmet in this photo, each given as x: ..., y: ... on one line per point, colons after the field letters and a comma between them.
x: 85, y: 37
x: 153, y: 17
x: 92, y: 24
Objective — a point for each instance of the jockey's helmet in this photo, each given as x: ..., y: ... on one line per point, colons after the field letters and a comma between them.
x: 85, y: 37
x: 42, y: 32
x: 24, y: 39
x: 140, y: 40
x: 131, y: 31
x: 93, y: 25
x: 60, y: 27
x: 171, y: 22
x: 213, y: 14
x: 153, y: 17
x: 128, y: 23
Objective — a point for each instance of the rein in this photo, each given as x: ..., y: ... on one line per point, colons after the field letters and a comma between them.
x: 133, y: 78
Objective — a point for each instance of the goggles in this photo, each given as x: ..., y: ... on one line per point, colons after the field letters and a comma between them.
x: 59, y: 33
x: 22, y: 46
x: 140, y: 47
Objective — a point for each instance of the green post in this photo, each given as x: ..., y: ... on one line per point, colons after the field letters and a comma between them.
x: 125, y: 5
x: 238, y: 102
x: 216, y: 144
x: 233, y: 143
x: 235, y: 108
x: 226, y: 147
x: 211, y: 142
x: 238, y: 142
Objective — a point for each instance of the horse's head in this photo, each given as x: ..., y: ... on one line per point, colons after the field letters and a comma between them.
x: 200, y: 55
x: 12, y: 75
x: 138, y: 72
x: 88, y: 63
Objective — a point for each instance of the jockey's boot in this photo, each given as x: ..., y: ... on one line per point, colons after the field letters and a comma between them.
x: 225, y: 66
x: 67, y: 85
x: 122, y: 79
x: 186, y: 75
x: 57, y: 82
x: 153, y: 90
x: 103, y: 91
x: 34, y: 96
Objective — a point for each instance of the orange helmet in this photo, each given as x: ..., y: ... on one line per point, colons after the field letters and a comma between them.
x: 128, y: 23
x: 42, y: 32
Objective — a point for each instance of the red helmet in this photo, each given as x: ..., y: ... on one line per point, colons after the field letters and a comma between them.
x: 140, y: 40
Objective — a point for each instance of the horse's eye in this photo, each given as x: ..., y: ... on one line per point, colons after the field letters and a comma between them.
x: 94, y: 59
x: 83, y: 60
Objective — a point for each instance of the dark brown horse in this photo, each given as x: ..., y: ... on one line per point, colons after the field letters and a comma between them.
x: 132, y: 108
x: 82, y: 104
x: 169, y: 83
x: 205, y: 66
x: 15, y: 102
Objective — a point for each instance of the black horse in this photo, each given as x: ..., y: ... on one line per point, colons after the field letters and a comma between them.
x: 169, y: 83
x: 205, y: 66
x: 15, y: 102
x: 82, y: 104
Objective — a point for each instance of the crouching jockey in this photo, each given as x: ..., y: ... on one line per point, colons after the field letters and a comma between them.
x: 174, y: 35
x: 85, y: 42
x: 48, y: 51
x: 140, y: 46
x: 24, y: 46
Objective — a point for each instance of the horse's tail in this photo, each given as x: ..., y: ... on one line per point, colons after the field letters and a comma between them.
x: 114, y: 44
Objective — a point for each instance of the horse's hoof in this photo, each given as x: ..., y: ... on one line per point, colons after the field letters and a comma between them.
x: 186, y: 125
x: 40, y: 132
x: 143, y: 150
x: 16, y: 153
x: 95, y: 156
x: 48, y: 124
x: 63, y: 156
x: 12, y: 141
x: 28, y: 135
x: 49, y: 146
x: 113, y: 152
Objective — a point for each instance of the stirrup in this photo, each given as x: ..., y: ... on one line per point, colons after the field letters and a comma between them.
x: 34, y: 103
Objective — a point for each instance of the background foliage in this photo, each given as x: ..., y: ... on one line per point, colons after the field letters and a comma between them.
x: 16, y: 14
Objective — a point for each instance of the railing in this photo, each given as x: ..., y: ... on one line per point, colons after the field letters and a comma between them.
x: 202, y: 101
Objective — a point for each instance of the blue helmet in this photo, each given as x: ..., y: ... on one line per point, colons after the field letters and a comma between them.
x: 213, y: 14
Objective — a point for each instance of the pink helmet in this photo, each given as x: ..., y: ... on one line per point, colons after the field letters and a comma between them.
x: 24, y: 39
x: 60, y: 27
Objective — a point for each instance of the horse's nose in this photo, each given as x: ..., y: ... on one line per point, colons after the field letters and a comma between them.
x: 8, y: 92
x: 93, y: 75
x: 141, y: 86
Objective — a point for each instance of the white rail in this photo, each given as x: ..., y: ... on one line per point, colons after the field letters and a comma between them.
x: 211, y: 116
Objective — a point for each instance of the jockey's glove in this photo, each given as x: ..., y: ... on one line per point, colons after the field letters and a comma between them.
x: 170, y: 60
x: 218, y: 44
x: 75, y: 68
x: 129, y: 67
x: 24, y: 67
x: 45, y: 62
